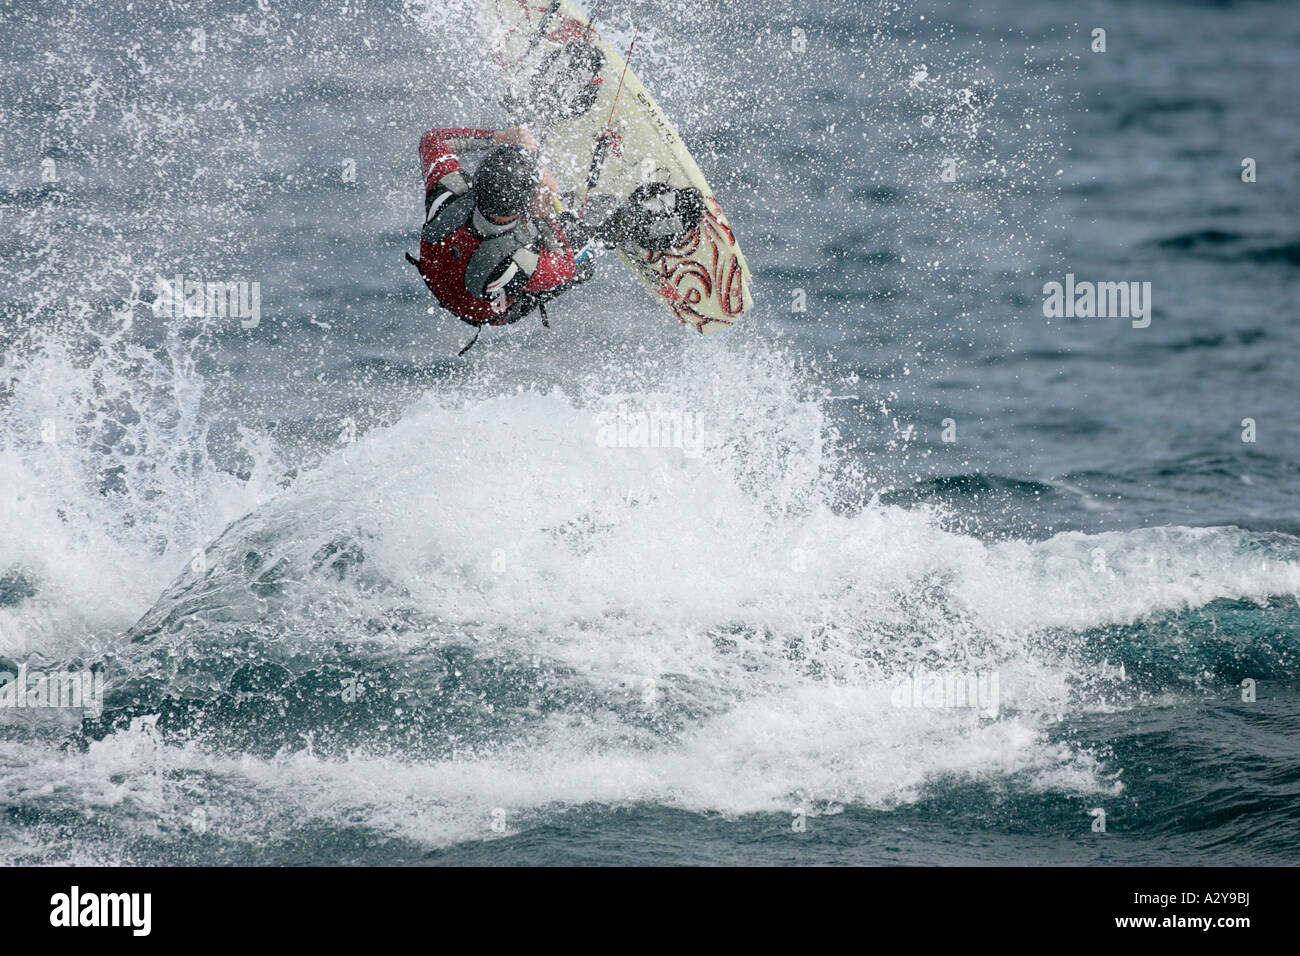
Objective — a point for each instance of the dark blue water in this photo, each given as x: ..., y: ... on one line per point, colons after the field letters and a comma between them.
x: 359, y: 601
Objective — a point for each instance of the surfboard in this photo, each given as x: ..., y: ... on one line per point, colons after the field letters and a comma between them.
x: 609, y: 140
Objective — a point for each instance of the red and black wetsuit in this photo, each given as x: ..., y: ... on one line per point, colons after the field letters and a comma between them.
x: 517, y: 259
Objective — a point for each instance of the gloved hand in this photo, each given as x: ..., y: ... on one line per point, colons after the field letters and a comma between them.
x: 574, y: 230
x: 586, y: 264
x: 518, y: 135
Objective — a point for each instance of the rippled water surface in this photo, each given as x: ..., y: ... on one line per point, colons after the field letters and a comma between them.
x: 356, y: 600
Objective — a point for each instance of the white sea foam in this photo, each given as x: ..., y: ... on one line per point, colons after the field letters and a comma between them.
x: 730, y: 591
x: 738, y: 615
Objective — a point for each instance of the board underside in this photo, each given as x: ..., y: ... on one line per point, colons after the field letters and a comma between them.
x: 704, y: 279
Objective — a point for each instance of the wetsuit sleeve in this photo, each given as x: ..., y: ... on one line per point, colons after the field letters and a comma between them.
x: 556, y: 266
x: 438, y: 149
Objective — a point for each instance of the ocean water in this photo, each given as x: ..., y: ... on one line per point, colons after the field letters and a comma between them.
x: 356, y: 600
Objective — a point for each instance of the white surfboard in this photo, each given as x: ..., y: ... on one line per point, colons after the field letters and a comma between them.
x: 703, y: 279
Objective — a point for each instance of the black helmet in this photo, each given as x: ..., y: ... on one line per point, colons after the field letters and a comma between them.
x: 506, y: 180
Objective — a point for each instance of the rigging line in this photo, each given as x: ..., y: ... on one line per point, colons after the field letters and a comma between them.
x: 602, y: 141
